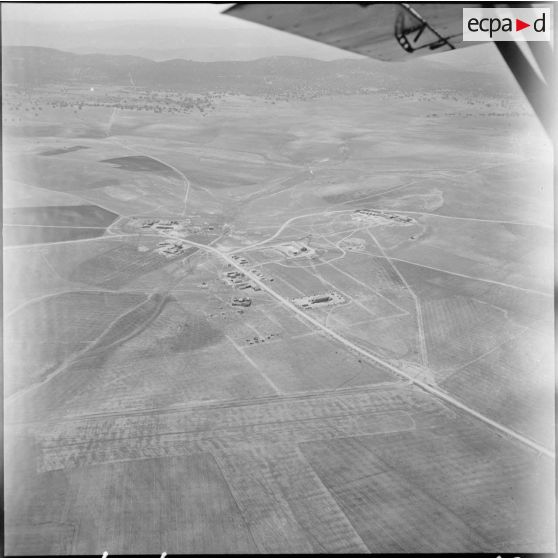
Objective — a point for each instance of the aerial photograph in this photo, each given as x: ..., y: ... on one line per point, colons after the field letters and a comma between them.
x: 277, y: 278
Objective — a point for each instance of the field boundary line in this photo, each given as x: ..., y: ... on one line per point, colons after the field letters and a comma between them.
x: 242, y: 352
x: 492, y: 281
x: 422, y: 339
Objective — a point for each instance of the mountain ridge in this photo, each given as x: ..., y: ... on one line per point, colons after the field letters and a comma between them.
x: 31, y: 66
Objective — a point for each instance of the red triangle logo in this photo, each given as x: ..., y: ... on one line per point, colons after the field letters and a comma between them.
x: 519, y: 24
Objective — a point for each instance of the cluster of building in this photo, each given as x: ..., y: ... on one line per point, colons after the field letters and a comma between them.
x: 241, y: 301
x: 353, y: 244
x: 257, y: 339
x: 296, y: 249
x: 161, y: 224
x: 239, y: 280
x: 171, y: 247
x: 239, y: 276
x: 376, y: 216
x: 178, y: 225
x: 260, y: 275
x: 319, y: 300
x: 240, y: 259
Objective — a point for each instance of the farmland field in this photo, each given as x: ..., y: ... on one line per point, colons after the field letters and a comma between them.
x: 15, y: 235
x: 277, y: 326
x: 83, y: 216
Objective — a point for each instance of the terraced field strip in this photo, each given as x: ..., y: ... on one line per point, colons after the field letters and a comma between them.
x: 233, y: 426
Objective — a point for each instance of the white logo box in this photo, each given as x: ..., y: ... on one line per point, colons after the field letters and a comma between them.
x: 500, y: 24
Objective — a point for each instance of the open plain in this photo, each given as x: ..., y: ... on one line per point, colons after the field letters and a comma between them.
x: 167, y: 389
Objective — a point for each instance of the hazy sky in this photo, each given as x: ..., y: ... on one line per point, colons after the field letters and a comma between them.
x: 115, y: 12
x: 152, y: 30
x: 69, y: 27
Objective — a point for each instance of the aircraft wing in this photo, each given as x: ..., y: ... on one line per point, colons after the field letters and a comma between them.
x: 391, y: 31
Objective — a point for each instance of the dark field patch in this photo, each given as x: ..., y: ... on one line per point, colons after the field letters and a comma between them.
x: 21, y: 235
x: 70, y: 215
x: 64, y: 174
x: 171, y: 329
x: 34, y: 131
x: 63, y: 150
x: 139, y: 163
x: 190, y: 332
x: 130, y: 324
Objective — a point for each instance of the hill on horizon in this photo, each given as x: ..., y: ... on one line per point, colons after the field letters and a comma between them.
x: 205, y: 41
x: 28, y: 66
